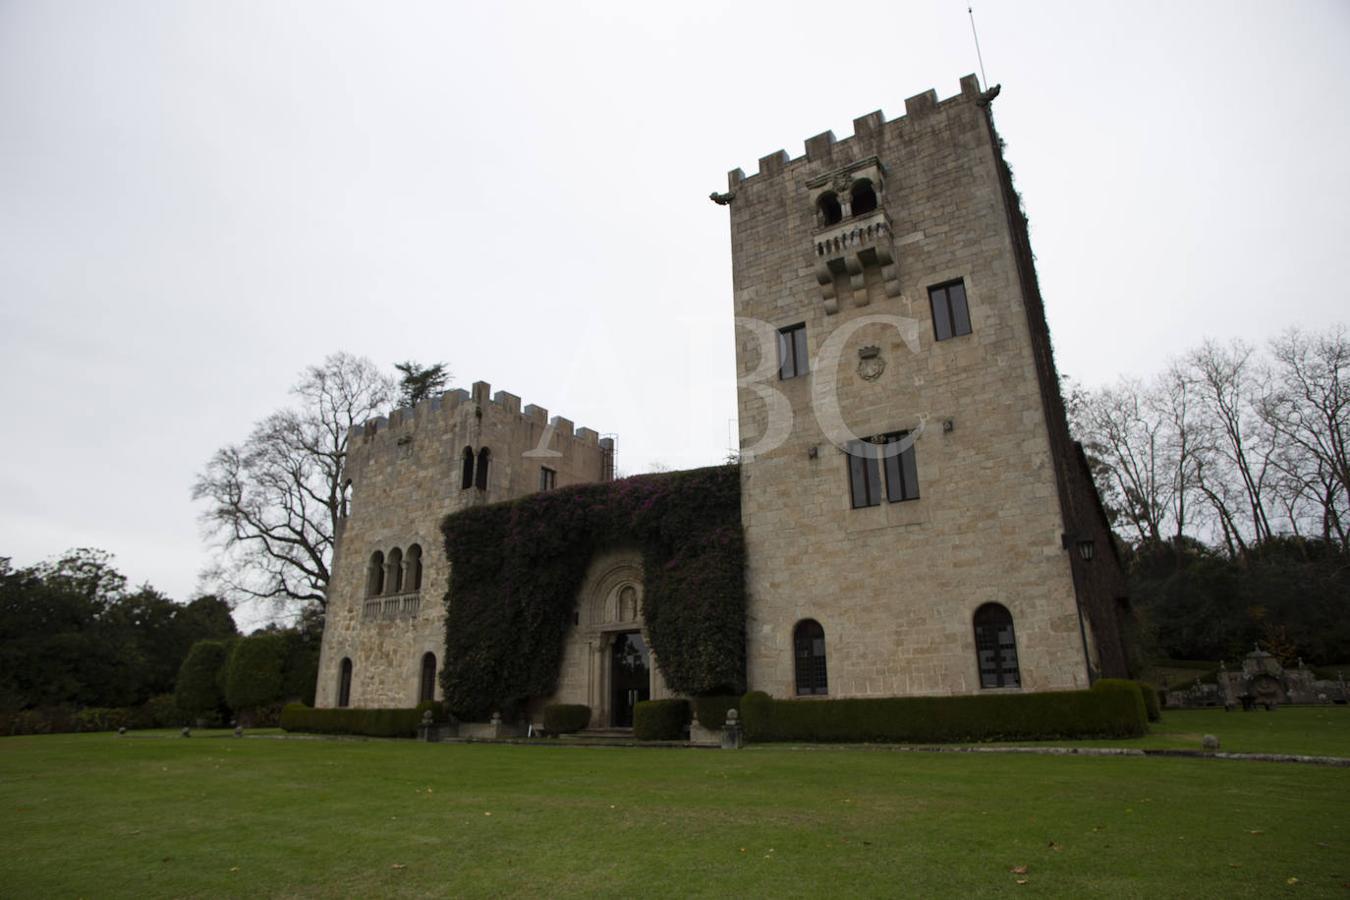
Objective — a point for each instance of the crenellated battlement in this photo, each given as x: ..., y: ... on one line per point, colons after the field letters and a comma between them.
x: 445, y: 409
x: 824, y: 146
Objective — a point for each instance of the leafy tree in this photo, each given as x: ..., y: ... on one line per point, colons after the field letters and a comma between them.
x: 418, y: 383
x: 274, y: 500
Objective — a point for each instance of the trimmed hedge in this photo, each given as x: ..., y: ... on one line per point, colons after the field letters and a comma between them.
x: 660, y: 720
x: 1108, y: 710
x: 371, y: 722
x: 516, y: 569
x: 565, y: 718
x: 1109, y: 684
x: 712, y: 711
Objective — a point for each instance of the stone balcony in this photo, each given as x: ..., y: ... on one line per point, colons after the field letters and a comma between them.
x: 850, y: 246
x: 387, y: 609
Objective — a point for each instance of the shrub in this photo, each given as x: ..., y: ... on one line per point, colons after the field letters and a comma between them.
x: 1152, y: 705
x: 198, y: 692
x: 660, y: 720
x: 438, y: 711
x: 254, y: 673
x: 712, y: 711
x: 565, y: 718
x: 1106, y: 711
x: 160, y: 711
x: 98, y: 718
x: 371, y: 722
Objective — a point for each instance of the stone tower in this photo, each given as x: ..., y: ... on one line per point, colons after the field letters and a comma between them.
x: 384, y: 630
x: 918, y: 520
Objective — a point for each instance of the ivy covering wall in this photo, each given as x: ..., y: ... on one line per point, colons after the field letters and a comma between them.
x: 517, y: 567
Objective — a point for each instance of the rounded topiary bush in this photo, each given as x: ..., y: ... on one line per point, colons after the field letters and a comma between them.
x: 660, y: 720
x: 566, y: 718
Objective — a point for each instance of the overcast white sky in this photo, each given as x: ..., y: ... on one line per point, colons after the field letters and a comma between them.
x: 199, y: 199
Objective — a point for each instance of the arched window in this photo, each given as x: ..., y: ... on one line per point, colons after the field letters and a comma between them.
x: 484, y: 458
x: 345, y: 505
x: 864, y: 197
x: 466, y: 481
x: 808, y: 640
x: 345, y: 683
x: 412, y: 578
x: 830, y: 211
x: 996, y: 647
x: 427, y: 688
x: 375, y: 575
x: 395, y: 570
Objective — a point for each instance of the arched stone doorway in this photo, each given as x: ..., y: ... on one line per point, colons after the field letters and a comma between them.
x: 608, y: 664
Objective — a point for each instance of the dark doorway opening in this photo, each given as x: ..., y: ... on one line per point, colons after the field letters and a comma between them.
x: 630, y: 677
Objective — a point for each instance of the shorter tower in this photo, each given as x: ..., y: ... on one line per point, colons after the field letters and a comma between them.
x: 917, y: 518
x: 384, y: 629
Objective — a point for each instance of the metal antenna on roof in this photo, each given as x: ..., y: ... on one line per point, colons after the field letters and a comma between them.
x: 976, y: 35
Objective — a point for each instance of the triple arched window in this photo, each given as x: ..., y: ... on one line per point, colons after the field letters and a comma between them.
x: 996, y: 647
x: 474, y: 469
x: 808, y: 643
x: 394, y: 573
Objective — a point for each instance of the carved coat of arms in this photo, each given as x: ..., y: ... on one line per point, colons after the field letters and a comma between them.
x: 870, y: 363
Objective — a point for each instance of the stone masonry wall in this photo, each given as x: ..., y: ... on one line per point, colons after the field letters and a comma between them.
x: 895, y: 586
x: 405, y: 474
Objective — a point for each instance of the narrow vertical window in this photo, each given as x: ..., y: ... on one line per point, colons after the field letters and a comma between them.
x: 792, y: 356
x: 484, y: 459
x: 548, y: 478
x: 412, y: 569
x: 344, y: 697
x: 466, y: 480
x: 394, y: 568
x: 808, y: 641
x: 426, y: 689
x: 375, y: 575
x: 864, y: 474
x: 902, y: 473
x: 951, y: 315
x: 996, y: 647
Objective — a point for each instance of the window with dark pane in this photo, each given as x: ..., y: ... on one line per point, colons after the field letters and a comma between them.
x: 548, y: 478
x: 864, y: 474
x: 484, y: 460
x: 996, y: 647
x: 427, y: 688
x: 344, y: 698
x: 466, y: 480
x: 902, y: 473
x: 792, y: 357
x: 809, y: 646
x: 951, y: 314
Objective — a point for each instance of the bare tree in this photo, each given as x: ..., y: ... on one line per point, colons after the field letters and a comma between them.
x: 1129, y: 441
x: 1309, y: 410
x: 1234, y: 459
x: 273, y: 501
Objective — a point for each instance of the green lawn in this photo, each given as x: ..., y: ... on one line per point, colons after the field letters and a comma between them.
x: 158, y: 816
x: 1304, y: 730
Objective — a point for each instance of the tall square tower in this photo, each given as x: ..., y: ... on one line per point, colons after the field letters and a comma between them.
x: 918, y: 520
